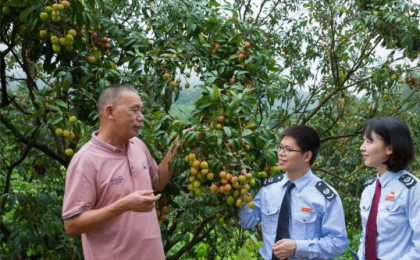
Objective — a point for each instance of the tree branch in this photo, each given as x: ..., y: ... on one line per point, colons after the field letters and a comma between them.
x: 330, y: 173
x: 4, y: 100
x: 271, y: 11
x: 10, y: 45
x: 29, y: 81
x: 259, y: 12
x: 21, y: 138
x: 340, y: 87
x: 5, y: 230
x: 321, y: 104
x: 336, y: 137
x: 169, y: 244
x: 247, y: 8
x: 10, y: 169
x: 196, y: 238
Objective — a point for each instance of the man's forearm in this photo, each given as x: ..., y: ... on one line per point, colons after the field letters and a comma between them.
x: 165, y: 173
x: 92, y: 219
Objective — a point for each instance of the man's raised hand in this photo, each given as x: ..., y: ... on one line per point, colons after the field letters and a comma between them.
x: 141, y: 201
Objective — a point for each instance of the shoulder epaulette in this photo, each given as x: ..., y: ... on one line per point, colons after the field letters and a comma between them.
x: 407, y: 180
x: 273, y: 179
x: 369, y: 181
x: 328, y: 193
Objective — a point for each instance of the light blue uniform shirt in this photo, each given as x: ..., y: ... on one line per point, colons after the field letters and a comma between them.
x: 398, y: 220
x: 316, y: 224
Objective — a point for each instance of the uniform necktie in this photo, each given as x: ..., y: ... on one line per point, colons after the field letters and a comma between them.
x: 284, y: 217
x: 371, y: 227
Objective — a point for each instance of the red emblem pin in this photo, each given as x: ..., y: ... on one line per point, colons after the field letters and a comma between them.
x: 309, y: 210
x: 391, y: 196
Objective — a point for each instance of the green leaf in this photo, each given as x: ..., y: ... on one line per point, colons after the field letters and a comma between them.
x: 67, y: 81
x: 214, y: 3
x: 228, y: 131
x: 215, y: 94
x: 246, y: 132
x: 61, y: 104
x: 55, y: 119
x: 203, y: 103
x: 189, y: 138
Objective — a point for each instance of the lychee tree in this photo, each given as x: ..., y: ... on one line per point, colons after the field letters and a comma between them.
x: 248, y: 68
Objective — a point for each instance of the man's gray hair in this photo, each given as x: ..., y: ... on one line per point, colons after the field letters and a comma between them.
x: 110, y: 95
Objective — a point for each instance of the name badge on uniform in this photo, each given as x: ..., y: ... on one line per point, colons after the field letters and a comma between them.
x: 303, y: 209
x: 391, y: 196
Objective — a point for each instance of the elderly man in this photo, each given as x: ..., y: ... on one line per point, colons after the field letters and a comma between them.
x: 108, y: 195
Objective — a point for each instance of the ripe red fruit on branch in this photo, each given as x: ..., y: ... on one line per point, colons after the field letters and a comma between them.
x: 234, y: 179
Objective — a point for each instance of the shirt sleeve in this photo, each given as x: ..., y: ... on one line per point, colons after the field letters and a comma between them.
x: 413, y: 208
x: 153, y: 167
x: 334, y: 240
x: 80, y: 191
x: 248, y: 218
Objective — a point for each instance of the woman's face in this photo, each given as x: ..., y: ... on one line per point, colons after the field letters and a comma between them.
x: 375, y: 152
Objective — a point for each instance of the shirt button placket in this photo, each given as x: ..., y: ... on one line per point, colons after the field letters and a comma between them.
x: 131, y: 168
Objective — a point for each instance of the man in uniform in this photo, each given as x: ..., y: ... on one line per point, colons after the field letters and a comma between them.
x: 301, y: 216
x: 108, y: 195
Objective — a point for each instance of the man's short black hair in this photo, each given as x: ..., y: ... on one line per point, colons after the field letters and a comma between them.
x: 394, y: 133
x: 306, y: 138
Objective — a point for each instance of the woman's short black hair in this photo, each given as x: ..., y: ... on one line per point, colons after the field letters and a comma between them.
x: 306, y: 138
x: 395, y: 133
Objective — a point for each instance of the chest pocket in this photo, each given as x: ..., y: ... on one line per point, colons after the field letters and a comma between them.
x: 304, y: 225
x: 394, y: 212
x: 391, y: 217
x: 269, y: 218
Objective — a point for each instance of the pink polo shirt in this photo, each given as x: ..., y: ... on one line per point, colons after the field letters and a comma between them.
x: 100, y: 174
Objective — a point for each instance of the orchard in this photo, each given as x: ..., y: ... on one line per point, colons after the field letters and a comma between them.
x: 226, y: 77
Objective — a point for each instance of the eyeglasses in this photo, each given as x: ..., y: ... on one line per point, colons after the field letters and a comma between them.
x: 286, y: 150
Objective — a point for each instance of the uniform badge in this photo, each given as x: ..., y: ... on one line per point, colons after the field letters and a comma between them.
x: 407, y: 180
x: 325, y: 190
x: 369, y: 181
x: 273, y: 179
x: 303, y: 209
x: 391, y: 196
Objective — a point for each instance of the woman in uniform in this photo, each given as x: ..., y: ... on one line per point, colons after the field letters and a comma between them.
x: 390, y: 202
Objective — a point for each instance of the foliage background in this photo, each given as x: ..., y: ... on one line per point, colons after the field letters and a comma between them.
x: 329, y: 64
